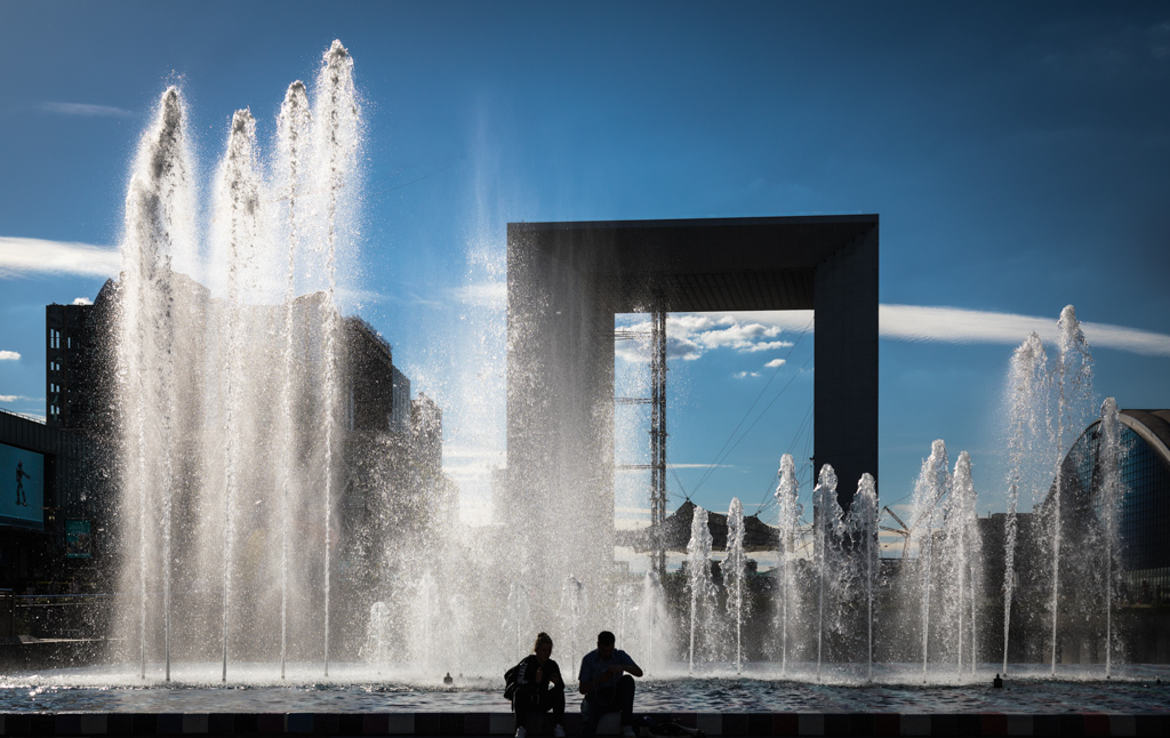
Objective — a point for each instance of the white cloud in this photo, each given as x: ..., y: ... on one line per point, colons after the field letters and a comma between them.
x: 86, y: 110
x: 24, y: 256
x: 739, y: 336
x: 9, y: 355
x: 767, y: 346
x: 82, y: 301
x: 774, y: 363
x: 958, y: 325
x: 745, y: 375
x: 11, y: 398
x: 690, y: 335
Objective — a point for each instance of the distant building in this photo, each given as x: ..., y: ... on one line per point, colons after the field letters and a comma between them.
x: 77, y: 340
x: 378, y: 392
x: 52, y: 523
x: 1140, y: 563
x: 426, y: 423
x: 1144, y: 514
x: 393, y: 445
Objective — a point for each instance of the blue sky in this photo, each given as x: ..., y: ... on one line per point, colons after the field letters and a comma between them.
x: 1018, y: 155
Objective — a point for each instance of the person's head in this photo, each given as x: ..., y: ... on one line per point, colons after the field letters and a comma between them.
x: 543, y: 646
x: 605, y: 643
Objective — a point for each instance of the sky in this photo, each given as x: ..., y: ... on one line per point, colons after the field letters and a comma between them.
x: 1018, y: 156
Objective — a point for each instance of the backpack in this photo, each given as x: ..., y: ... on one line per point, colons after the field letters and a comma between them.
x: 510, y: 677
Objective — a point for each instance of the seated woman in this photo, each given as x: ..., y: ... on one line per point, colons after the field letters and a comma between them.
x: 539, y: 687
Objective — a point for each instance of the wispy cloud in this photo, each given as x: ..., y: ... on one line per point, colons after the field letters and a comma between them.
x: 20, y: 398
x: 958, y: 325
x: 27, y: 256
x: 745, y: 375
x: 85, y: 110
x: 9, y: 355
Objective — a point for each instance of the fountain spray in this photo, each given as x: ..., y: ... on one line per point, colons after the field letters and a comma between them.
x: 1109, y: 461
x: 933, y: 484
x: 1027, y: 408
x: 158, y: 226
x: 699, y: 576
x: 862, y: 524
x: 827, y: 520
x: 338, y: 110
x: 736, y: 565
x: 962, y: 529
x: 786, y: 491
x: 239, y: 194
x: 292, y: 137
x: 1074, y: 386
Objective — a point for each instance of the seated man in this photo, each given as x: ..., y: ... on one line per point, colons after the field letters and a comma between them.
x: 605, y: 687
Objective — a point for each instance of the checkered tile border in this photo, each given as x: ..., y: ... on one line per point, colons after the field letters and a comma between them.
x: 741, y: 725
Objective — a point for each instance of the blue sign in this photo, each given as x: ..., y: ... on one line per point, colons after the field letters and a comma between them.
x: 22, y: 487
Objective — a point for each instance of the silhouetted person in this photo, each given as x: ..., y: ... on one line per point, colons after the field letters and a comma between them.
x: 20, y: 477
x: 539, y: 687
x: 605, y: 686
x: 997, y: 683
x: 448, y: 679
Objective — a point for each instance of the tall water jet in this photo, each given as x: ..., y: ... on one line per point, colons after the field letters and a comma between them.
x: 861, y: 523
x: 789, y: 518
x: 963, y: 565
x: 199, y: 395
x: 292, y: 141
x: 827, y: 522
x: 237, y: 205
x: 1027, y: 416
x: 933, y: 483
x: 1074, y: 390
x: 699, y: 580
x: 1109, y: 499
x: 159, y: 229
x: 735, y: 573
x: 337, y: 145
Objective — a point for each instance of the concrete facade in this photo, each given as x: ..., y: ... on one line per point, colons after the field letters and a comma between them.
x: 567, y: 280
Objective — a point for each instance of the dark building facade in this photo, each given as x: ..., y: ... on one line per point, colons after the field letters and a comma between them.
x: 1144, y: 512
x: 1131, y: 573
x: 77, y: 343
x: 393, y: 446
x: 52, y: 524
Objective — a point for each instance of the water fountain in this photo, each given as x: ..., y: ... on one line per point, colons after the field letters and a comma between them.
x: 735, y: 573
x: 195, y: 365
x: 701, y: 588
x: 789, y: 517
x: 827, y: 536
x: 1110, y: 499
x: 230, y: 351
x: 1026, y: 409
x: 861, y: 526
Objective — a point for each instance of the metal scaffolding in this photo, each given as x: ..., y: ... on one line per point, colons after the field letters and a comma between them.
x: 657, y: 403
